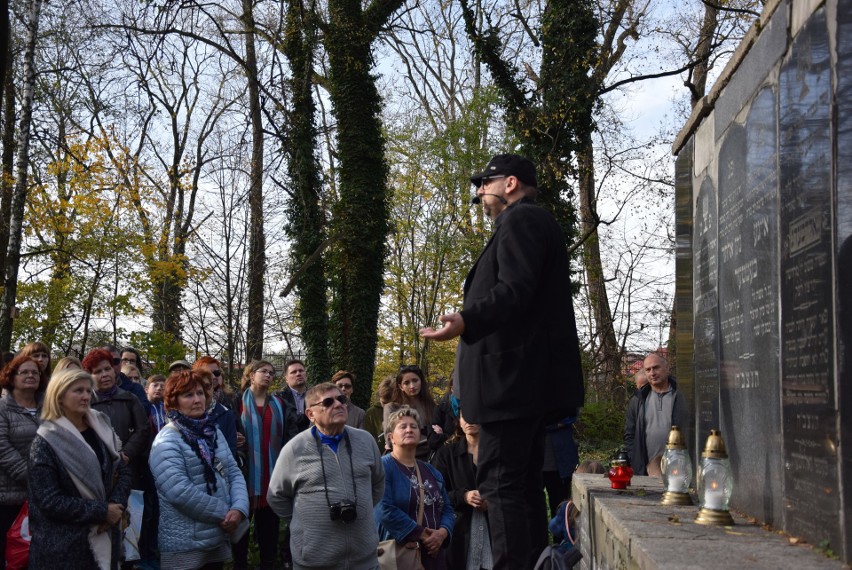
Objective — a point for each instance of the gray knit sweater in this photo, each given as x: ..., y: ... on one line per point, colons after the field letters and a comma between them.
x: 297, y: 495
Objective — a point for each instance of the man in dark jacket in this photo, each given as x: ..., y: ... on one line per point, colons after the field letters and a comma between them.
x: 294, y: 394
x: 518, y: 358
x: 651, y: 413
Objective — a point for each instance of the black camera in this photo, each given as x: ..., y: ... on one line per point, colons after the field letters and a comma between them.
x: 343, y: 511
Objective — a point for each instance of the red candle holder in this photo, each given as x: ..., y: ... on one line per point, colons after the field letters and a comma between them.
x: 620, y: 476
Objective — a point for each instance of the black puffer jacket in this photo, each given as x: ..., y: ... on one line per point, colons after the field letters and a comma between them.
x: 17, y: 430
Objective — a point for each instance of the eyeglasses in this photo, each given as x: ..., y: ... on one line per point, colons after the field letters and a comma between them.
x: 265, y: 371
x: 329, y: 402
x: 487, y: 179
x: 128, y: 361
x: 28, y: 373
x: 345, y: 386
x: 217, y: 373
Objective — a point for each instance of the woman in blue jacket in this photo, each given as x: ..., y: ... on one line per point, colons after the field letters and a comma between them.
x: 415, y: 510
x: 202, y: 492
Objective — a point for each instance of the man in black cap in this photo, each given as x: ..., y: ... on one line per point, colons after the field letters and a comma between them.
x: 518, y: 358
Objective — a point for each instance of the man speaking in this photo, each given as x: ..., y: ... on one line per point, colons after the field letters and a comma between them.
x: 518, y: 358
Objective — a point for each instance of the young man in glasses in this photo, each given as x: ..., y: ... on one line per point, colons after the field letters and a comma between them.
x: 325, y: 484
x: 518, y: 357
x: 345, y: 381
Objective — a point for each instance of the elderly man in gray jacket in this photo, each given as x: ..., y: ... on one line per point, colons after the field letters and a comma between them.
x: 325, y: 484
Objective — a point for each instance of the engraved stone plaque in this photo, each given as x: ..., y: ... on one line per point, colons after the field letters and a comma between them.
x: 748, y: 309
x: 807, y: 309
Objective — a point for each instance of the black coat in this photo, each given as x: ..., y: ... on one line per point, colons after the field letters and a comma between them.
x: 448, y: 421
x: 519, y: 355
x: 456, y: 465
x: 60, y: 517
x: 302, y: 421
x: 131, y: 425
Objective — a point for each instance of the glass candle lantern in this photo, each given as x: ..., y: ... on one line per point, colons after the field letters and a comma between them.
x: 715, y: 483
x: 676, y: 467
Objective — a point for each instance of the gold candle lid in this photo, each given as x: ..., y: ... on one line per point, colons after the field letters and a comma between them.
x: 715, y: 446
x: 676, y: 440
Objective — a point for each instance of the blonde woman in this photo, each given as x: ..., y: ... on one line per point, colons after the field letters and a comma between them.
x: 415, y: 510
x: 68, y: 362
x: 78, y: 484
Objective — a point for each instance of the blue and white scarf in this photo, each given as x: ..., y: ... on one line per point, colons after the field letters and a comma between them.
x: 253, y: 424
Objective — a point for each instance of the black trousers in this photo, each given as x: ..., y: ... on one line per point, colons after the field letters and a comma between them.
x: 511, y: 455
x: 265, y: 535
x: 558, y: 490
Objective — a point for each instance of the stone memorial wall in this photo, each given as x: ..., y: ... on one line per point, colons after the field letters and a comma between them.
x: 769, y: 155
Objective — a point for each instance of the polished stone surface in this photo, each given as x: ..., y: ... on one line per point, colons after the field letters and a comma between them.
x: 807, y: 313
x: 748, y: 309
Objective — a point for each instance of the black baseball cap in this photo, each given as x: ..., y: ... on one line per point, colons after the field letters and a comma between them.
x: 508, y: 165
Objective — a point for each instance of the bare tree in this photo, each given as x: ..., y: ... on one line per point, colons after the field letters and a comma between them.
x: 7, y: 306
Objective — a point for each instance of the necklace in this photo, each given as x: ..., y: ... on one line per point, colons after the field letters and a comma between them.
x: 410, y: 473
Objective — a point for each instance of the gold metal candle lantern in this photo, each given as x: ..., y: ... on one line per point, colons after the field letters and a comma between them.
x: 715, y: 483
x: 676, y: 466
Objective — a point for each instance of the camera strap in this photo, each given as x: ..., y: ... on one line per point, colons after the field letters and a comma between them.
x: 351, y: 466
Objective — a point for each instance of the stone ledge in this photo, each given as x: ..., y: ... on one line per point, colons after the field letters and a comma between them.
x: 631, y: 530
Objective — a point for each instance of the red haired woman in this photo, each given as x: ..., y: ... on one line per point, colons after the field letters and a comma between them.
x: 124, y: 410
x: 19, y: 419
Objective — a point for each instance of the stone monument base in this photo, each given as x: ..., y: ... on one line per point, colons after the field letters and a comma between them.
x: 631, y: 530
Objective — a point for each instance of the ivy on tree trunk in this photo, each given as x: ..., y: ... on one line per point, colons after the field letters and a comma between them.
x: 361, y: 214
x: 306, y: 225
x: 551, y: 118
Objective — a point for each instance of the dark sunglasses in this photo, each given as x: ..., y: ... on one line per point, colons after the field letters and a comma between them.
x: 217, y: 373
x: 329, y: 402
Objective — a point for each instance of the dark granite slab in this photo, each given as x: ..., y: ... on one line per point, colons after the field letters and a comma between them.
x: 748, y: 309
x: 810, y: 418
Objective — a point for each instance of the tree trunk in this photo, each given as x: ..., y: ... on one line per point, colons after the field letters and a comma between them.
x: 608, y: 356
x: 13, y: 256
x: 8, y: 161
x: 361, y: 215
x: 702, y: 52
x: 58, y: 284
x: 257, y: 237
x: 167, y: 299
x: 5, y: 40
x: 306, y: 225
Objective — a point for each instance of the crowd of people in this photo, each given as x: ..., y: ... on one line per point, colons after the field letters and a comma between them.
x: 453, y: 484
x: 76, y: 438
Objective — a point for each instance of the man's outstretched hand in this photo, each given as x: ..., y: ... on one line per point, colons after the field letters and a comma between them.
x: 453, y: 327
